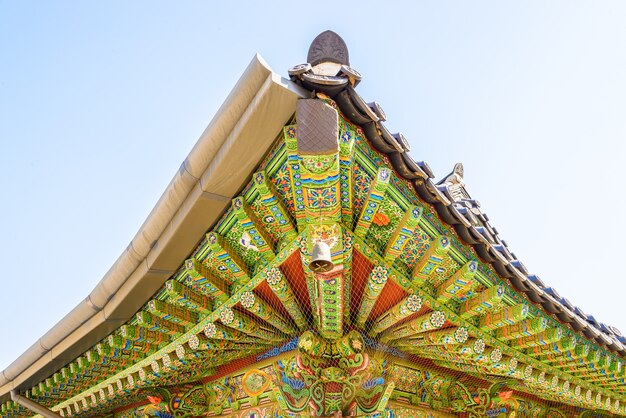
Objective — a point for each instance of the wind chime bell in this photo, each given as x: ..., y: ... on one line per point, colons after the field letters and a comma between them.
x: 320, y: 258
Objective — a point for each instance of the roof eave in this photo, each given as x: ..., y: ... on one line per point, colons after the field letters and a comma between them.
x: 217, y: 168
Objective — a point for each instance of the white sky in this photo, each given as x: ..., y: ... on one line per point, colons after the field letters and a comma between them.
x: 100, y: 102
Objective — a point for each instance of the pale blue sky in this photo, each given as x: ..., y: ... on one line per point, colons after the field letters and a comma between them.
x: 100, y: 102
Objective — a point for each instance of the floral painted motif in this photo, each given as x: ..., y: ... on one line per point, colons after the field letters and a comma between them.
x: 274, y: 276
x: 323, y: 198
x: 318, y: 164
x: 381, y: 219
x: 460, y: 335
x: 210, y: 330
x: 437, y: 319
x: 413, y: 251
x: 248, y: 300
x: 361, y: 185
x: 379, y: 275
x: 479, y: 346
x: 227, y: 316
x: 496, y: 355
x: 414, y: 303
x: 282, y: 183
x: 528, y: 371
x: 384, y: 222
x: 180, y: 351
x: 194, y: 341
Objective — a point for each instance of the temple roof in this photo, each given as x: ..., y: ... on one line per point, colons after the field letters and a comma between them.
x: 454, y: 204
x: 270, y: 188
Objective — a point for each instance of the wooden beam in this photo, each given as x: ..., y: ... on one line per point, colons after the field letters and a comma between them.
x: 279, y: 285
x: 186, y: 296
x: 406, y: 307
x: 448, y: 336
x: 346, y: 159
x: 460, y: 283
x: 199, y: 276
x: 557, y: 349
x: 372, y: 202
x: 542, y: 338
x: 373, y: 286
x: 215, y: 330
x: 225, y: 263
x: 431, y: 259
x: 155, y: 323
x: 140, y: 334
x: 506, y: 316
x: 247, y: 325
x: 524, y: 328
x: 423, y: 323
x: 330, y: 304
x: 481, y: 303
x: 403, y: 233
x: 169, y: 312
x: 117, y: 341
x: 257, y: 306
x: 295, y: 175
x: 271, y: 201
x: 259, y: 239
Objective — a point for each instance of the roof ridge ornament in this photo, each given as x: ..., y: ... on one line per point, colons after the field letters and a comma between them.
x: 328, y: 47
x: 455, y: 185
x: 328, y: 68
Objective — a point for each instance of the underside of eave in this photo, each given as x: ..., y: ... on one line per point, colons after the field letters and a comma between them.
x: 217, y: 168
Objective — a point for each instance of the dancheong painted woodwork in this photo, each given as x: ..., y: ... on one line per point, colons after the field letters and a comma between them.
x: 423, y: 312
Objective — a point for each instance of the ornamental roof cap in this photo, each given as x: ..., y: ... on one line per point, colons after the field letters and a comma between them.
x: 328, y: 47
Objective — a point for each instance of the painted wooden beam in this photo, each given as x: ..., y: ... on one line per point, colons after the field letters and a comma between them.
x: 346, y: 158
x: 423, y: 323
x: 403, y: 233
x: 459, y: 283
x: 431, y: 259
x: 225, y: 262
x: 257, y: 238
x: 216, y: 345
x: 524, y: 328
x: 281, y: 288
x: 199, y: 276
x: 568, y: 360
x: 156, y: 323
x: 372, y: 202
x: 482, y: 302
x: 215, y: 330
x: 406, y: 307
x: 247, y: 325
x: 140, y: 334
x: 189, y: 298
x: 542, y: 338
x: 330, y: 304
x: 270, y: 200
x: 506, y: 316
x: 295, y: 175
x: 448, y: 336
x: 172, y: 313
x: 373, y: 287
x: 257, y: 306
x: 117, y: 341
x: 557, y: 349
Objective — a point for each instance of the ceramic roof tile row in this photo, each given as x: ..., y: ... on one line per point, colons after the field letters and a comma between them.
x: 454, y: 205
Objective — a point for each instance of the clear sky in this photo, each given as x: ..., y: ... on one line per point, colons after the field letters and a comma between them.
x: 100, y: 102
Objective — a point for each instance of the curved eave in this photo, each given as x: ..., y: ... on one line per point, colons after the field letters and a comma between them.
x: 480, y: 235
x: 215, y: 170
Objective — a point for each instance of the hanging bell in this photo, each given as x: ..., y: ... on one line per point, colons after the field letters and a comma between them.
x: 320, y: 258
